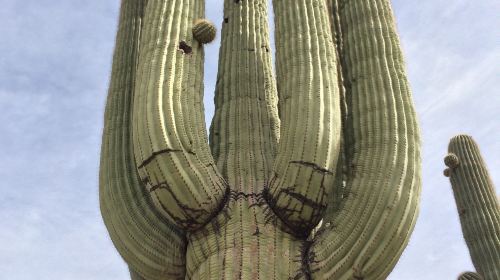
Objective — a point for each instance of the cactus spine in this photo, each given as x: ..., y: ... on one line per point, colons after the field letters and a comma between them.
x: 477, y: 205
x: 250, y: 205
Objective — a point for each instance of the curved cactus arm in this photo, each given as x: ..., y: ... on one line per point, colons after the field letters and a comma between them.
x: 367, y: 236
x: 147, y: 242
x: 170, y: 146
x: 470, y: 276
x: 245, y: 128
x: 477, y: 205
x: 310, y: 113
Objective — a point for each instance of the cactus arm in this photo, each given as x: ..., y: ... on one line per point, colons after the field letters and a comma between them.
x: 477, y: 205
x: 369, y: 233
x: 245, y: 129
x: 310, y: 114
x: 170, y: 146
x: 147, y: 242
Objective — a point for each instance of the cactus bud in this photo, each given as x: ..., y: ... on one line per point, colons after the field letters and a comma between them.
x: 204, y: 31
x: 447, y: 172
x: 451, y: 160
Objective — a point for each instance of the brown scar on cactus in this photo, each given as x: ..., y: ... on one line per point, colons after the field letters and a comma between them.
x: 185, y: 48
x: 204, y: 31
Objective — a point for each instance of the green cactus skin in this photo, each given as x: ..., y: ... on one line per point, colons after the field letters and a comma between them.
x: 135, y: 276
x: 332, y: 137
x: 470, y: 276
x: 477, y: 205
x: 204, y: 31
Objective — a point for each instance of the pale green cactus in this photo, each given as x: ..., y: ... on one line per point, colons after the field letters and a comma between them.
x: 477, y: 205
x: 312, y: 174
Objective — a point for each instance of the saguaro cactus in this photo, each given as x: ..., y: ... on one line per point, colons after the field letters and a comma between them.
x: 332, y: 138
x: 477, y: 204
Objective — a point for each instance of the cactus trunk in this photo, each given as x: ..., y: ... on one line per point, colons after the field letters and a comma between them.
x: 311, y: 174
x: 477, y: 205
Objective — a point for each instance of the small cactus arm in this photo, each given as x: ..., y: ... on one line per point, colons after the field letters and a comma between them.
x: 477, y: 205
x: 470, y: 276
x: 312, y: 174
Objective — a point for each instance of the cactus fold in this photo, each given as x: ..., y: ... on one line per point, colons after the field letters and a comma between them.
x: 312, y: 173
x: 477, y: 205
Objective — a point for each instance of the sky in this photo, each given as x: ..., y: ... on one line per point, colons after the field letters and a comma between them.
x: 54, y: 72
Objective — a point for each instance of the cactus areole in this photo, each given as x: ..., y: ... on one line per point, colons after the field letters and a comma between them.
x: 309, y: 173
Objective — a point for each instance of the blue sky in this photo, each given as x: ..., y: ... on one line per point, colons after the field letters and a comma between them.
x: 54, y: 72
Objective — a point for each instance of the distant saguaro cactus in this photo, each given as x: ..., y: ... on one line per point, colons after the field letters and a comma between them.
x: 477, y: 205
x: 332, y: 138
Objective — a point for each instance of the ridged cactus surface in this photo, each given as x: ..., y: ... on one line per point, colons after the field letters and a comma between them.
x: 470, y: 276
x: 311, y: 173
x: 477, y: 205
